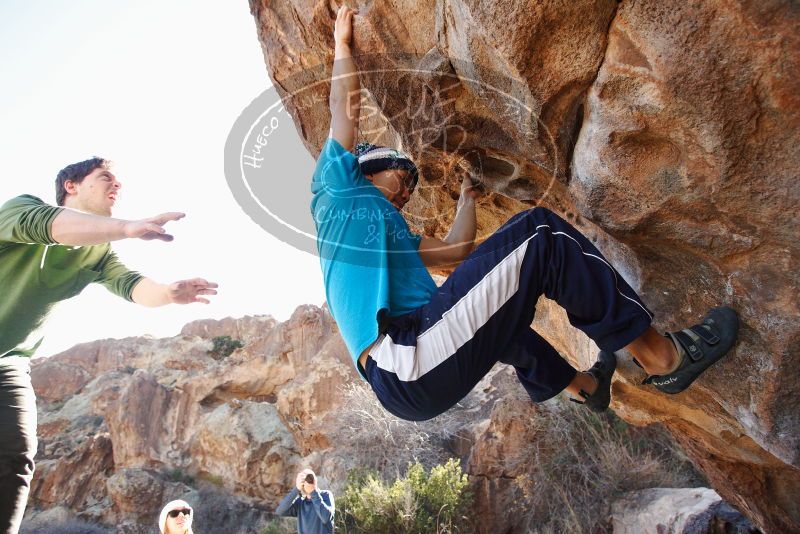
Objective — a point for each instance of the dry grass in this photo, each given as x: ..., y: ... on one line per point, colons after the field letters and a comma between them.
x: 578, y: 464
x: 387, y: 444
x: 581, y: 462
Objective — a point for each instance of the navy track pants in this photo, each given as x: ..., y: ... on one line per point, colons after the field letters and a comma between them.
x: 429, y: 359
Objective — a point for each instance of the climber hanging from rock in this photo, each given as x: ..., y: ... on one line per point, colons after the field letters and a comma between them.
x: 48, y: 254
x: 423, y: 348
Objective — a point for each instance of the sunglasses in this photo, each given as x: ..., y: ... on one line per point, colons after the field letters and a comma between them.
x: 410, y: 182
x: 184, y: 511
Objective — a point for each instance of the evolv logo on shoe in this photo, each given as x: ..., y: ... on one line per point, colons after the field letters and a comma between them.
x: 665, y: 382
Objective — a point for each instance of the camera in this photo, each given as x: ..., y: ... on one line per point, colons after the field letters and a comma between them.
x: 310, y: 478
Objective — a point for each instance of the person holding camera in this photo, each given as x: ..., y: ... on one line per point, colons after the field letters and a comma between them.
x: 313, y: 508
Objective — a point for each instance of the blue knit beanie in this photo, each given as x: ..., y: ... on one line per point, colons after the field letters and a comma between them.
x: 373, y: 159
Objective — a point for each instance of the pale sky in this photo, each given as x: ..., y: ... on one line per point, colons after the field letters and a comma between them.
x: 154, y: 86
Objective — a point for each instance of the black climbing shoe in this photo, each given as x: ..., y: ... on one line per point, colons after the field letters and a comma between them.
x: 703, y: 344
x: 601, y: 371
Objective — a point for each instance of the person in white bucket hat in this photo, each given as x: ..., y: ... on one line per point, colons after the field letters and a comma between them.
x: 176, y: 518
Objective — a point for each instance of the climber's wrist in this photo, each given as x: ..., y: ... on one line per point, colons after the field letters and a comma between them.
x: 342, y: 49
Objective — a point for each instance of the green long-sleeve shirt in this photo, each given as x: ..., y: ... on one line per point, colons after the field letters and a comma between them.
x: 36, y: 272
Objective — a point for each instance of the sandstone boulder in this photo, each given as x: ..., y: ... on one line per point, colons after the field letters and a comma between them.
x: 60, y: 382
x: 665, y: 131
x: 76, y: 480
x: 500, y: 457
x: 677, y: 511
x: 230, y: 435
x: 136, y: 492
x: 244, y: 329
x: 253, y: 434
x: 131, y: 432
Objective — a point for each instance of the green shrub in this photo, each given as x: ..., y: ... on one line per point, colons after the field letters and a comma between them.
x: 217, y: 480
x: 224, y: 346
x: 421, y: 502
x: 179, y: 475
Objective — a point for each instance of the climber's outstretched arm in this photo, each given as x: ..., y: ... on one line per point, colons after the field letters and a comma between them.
x: 345, y: 96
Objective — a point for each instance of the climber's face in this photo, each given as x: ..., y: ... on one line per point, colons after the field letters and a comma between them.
x: 395, y: 184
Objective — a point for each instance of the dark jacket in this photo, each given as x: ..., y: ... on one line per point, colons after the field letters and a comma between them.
x: 314, y: 515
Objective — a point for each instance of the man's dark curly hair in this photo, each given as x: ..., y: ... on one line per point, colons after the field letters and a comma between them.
x: 77, y: 172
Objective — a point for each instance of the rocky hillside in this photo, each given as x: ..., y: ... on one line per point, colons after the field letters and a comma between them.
x: 127, y: 425
x: 665, y: 130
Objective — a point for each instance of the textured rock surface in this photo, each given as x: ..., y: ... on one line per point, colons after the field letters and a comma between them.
x: 666, y: 131
x: 499, y: 456
x: 676, y: 511
x: 159, y: 419
x: 136, y: 420
x: 162, y: 420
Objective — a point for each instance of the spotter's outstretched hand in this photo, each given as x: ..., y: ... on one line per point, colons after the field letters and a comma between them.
x: 189, y: 291
x: 153, y: 227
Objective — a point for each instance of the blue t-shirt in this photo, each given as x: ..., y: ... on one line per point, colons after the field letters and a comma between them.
x: 369, y: 257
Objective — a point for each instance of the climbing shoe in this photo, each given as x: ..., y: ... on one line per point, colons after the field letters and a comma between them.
x: 699, y: 346
x: 601, y: 371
